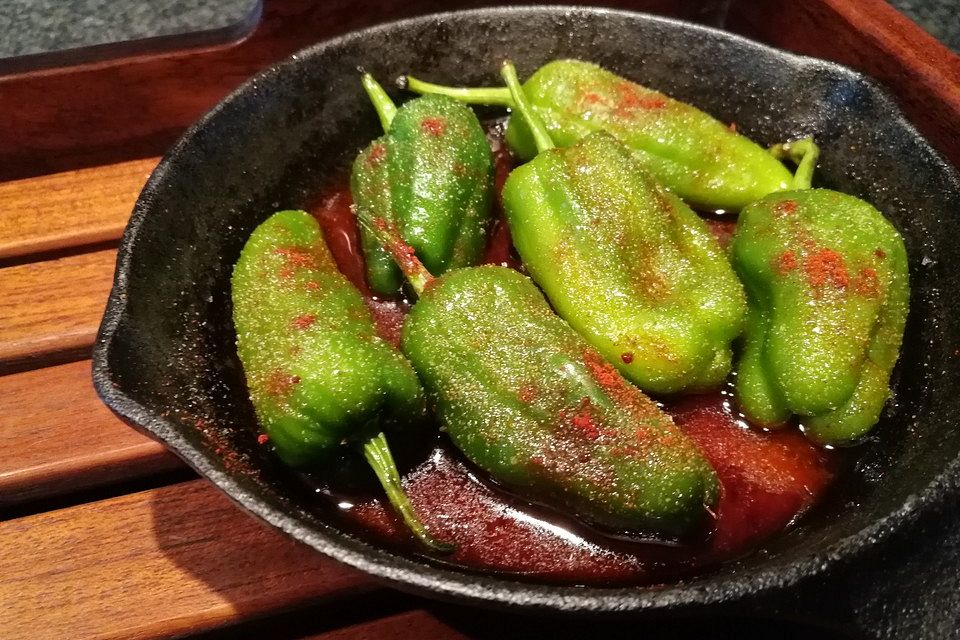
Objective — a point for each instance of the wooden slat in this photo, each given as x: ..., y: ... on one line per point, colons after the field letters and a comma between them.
x: 58, y: 437
x: 69, y: 209
x: 153, y: 565
x: 52, y: 308
x: 132, y: 107
x: 410, y: 625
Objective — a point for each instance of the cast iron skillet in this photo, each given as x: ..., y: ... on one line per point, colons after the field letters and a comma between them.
x: 165, y: 358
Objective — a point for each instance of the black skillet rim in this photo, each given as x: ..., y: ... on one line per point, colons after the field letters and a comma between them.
x: 449, y: 584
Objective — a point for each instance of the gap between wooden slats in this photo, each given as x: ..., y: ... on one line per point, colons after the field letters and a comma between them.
x: 58, y: 437
x: 155, y: 564
x: 50, y: 310
x: 70, y: 209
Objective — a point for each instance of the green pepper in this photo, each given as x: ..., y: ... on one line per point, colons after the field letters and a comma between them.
x: 827, y: 281
x: 632, y: 268
x: 319, y: 376
x: 528, y: 401
x: 431, y: 175
x: 697, y: 157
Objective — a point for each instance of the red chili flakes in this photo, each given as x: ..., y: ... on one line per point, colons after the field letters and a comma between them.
x: 263, y: 439
x: 433, y: 126
x: 630, y: 100
x: 786, y: 262
x: 867, y: 284
x: 296, y: 258
x: 402, y: 252
x: 602, y: 371
x: 313, y: 285
x: 583, y: 421
x: 826, y: 266
x: 785, y: 207
x: 527, y: 394
x: 590, y: 97
x: 732, y: 127
x: 880, y: 253
x: 626, y: 357
x: 281, y: 383
x: 378, y: 153
x: 304, y: 320
x: 668, y: 439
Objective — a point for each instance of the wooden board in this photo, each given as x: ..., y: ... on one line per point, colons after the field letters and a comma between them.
x: 51, y: 310
x: 60, y: 438
x: 69, y: 209
x: 410, y: 625
x: 134, y: 107
x: 153, y: 565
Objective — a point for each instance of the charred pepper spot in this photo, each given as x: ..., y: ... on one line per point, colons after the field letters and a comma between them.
x: 433, y: 126
x: 826, y: 266
x: 880, y: 253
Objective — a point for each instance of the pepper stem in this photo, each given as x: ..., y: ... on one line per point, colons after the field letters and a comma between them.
x: 381, y: 101
x: 540, y: 136
x: 480, y: 95
x: 377, y: 452
x: 804, y: 153
x: 402, y: 253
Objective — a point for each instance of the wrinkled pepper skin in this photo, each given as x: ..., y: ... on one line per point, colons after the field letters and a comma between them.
x: 317, y: 372
x: 827, y: 280
x: 525, y: 399
x: 432, y: 176
x: 631, y: 267
x: 697, y: 157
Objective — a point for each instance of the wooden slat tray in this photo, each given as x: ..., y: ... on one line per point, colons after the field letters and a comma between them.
x: 177, y: 560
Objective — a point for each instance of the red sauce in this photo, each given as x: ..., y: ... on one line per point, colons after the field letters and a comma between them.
x: 768, y: 479
x: 342, y: 233
x: 500, y: 245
